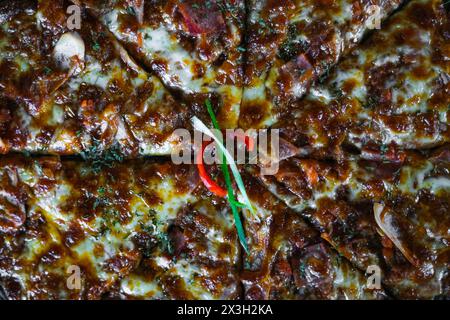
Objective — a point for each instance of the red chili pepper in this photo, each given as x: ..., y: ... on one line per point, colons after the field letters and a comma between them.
x: 249, y: 142
x: 206, y: 179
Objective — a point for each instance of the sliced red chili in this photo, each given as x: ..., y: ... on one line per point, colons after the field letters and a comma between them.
x: 206, y: 179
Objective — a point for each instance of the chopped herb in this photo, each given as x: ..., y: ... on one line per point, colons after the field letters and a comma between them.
x: 138, y: 214
x: 265, y: 27
x: 325, y: 73
x: 100, y: 202
x: 371, y: 102
x: 302, y: 269
x: 154, y: 229
x: 165, y: 243
x: 96, y: 46
x: 47, y: 70
x: 336, y: 91
x: 149, y: 229
x: 384, y: 149
x: 100, y: 158
x: 39, y: 170
x: 112, y: 213
x: 102, y: 230
x: 101, y: 190
x: 262, y: 23
x: 110, y: 218
x: 131, y: 10
x: 290, y: 47
x: 228, y: 7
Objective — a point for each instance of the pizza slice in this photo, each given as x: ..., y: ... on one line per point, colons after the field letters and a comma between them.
x: 139, y: 229
x: 193, y: 46
x: 392, y: 92
x: 55, y: 231
x: 106, y: 105
x: 203, y: 223
x: 384, y: 214
x: 28, y: 73
x: 203, y: 260
x: 292, y: 44
x: 289, y: 259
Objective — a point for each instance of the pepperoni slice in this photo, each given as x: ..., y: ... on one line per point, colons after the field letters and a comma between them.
x: 202, y: 17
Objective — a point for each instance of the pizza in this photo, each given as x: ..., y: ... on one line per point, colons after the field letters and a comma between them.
x: 193, y: 46
x: 136, y: 229
x: 88, y: 102
x: 290, y: 260
x: 93, y: 205
x: 292, y: 44
x: 144, y: 229
x: 25, y: 72
x: 391, y: 92
x: 386, y: 214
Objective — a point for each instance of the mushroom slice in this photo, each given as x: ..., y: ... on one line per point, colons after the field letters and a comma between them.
x: 69, y: 52
x: 385, y: 221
